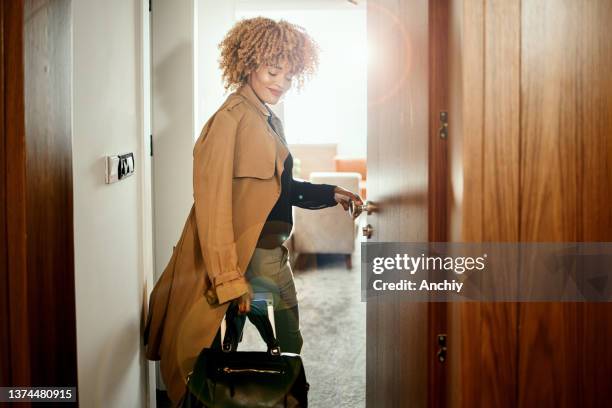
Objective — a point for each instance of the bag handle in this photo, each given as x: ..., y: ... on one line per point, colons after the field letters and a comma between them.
x: 234, y: 323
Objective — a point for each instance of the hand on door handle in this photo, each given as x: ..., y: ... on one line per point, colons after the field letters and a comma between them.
x: 355, y: 209
x: 345, y: 197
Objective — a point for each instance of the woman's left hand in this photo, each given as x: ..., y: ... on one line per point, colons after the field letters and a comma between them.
x: 342, y: 196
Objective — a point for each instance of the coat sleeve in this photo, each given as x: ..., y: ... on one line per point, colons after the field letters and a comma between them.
x: 213, y: 163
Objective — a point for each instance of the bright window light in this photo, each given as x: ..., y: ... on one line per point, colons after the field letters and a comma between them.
x: 332, y: 107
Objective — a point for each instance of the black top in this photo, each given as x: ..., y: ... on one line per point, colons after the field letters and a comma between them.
x: 293, y: 193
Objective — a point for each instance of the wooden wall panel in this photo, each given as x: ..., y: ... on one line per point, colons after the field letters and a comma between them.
x: 49, y: 207
x: 485, y: 170
x: 546, y: 175
x: 15, y: 181
x: 594, y: 87
x: 566, y: 122
x: 549, y: 338
x: 5, y: 356
x: 500, y: 195
x: 37, y: 279
x: 466, y: 163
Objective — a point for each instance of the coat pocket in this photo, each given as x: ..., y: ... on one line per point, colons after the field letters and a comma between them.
x: 256, y: 168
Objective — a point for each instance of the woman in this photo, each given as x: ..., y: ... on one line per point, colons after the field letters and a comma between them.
x: 262, y: 58
x: 232, y: 242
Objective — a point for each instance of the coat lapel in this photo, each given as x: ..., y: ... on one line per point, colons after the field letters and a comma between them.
x: 247, y: 92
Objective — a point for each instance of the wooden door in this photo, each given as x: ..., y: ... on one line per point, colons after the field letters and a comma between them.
x: 532, y: 158
x: 398, y: 131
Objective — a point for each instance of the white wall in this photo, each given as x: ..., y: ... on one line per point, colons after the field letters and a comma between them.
x: 173, y: 124
x: 110, y: 263
x: 187, y: 89
x: 213, y: 20
x: 172, y: 28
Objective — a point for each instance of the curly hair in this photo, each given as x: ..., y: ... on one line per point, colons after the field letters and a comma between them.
x: 255, y: 41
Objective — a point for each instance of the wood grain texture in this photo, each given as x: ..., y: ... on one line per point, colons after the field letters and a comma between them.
x: 466, y: 96
x: 37, y: 278
x: 549, y: 211
x: 49, y: 206
x: 546, y: 176
x: 485, y: 170
x: 438, y: 102
x: 454, y: 82
x: 500, y: 195
x: 15, y: 150
x: 595, y: 190
x: 438, y: 185
x: 398, y: 131
x: 567, y: 200
x: 5, y: 356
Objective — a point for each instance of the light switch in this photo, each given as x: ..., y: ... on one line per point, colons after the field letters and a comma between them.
x: 119, y: 167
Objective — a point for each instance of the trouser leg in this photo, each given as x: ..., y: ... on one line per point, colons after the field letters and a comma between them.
x: 288, y: 333
x: 286, y: 322
x: 237, y: 321
x: 269, y: 271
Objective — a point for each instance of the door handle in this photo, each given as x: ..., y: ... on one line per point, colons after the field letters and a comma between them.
x: 355, y: 210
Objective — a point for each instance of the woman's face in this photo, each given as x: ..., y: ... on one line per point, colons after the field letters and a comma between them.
x: 270, y: 82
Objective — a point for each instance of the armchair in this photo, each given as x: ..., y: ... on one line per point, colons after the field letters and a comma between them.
x: 329, y: 230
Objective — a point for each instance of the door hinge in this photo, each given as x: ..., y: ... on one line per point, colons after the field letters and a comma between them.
x: 150, y: 7
x: 442, y: 347
x: 151, y: 145
x: 443, y: 131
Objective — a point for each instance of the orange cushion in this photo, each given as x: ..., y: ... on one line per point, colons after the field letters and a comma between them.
x: 351, y: 164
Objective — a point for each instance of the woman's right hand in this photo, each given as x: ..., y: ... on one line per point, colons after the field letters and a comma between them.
x: 244, y: 302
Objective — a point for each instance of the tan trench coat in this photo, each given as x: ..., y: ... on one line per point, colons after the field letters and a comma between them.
x: 237, y: 167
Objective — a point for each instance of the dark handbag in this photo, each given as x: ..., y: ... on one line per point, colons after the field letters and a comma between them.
x: 236, y: 379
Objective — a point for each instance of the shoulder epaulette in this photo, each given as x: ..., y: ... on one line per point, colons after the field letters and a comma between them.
x: 233, y: 101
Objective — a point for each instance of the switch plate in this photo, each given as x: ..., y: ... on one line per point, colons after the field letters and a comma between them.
x: 119, y: 167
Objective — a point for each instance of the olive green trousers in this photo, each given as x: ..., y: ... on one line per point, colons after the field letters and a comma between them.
x: 269, y: 272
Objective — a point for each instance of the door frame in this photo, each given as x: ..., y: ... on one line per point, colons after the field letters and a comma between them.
x: 439, y: 187
x: 146, y: 185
